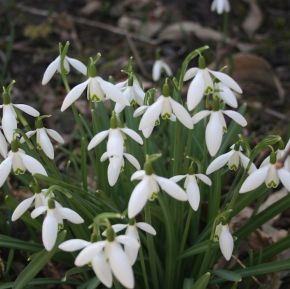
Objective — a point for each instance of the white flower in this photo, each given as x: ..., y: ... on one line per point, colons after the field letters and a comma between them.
x: 55, y: 66
x: 226, y: 240
x: 268, y: 173
x: 39, y: 199
x: 203, y: 83
x: 132, y: 231
x: 148, y: 188
x: 43, y: 140
x: 115, y: 150
x: 168, y: 108
x: 107, y: 258
x: 133, y: 93
x: 97, y: 90
x: 191, y: 187
x: 216, y: 126
x: 9, y: 118
x: 3, y: 145
x: 233, y: 158
x: 18, y: 161
x: 55, y: 214
x: 220, y: 6
x: 158, y: 67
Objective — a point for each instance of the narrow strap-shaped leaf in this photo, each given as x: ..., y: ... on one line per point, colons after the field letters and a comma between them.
x: 228, y: 275
x: 14, y: 243
x: 38, y: 261
x: 202, y: 282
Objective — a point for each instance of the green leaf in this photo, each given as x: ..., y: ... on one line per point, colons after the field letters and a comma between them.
x: 91, y: 284
x: 38, y: 261
x: 13, y: 243
x: 228, y: 275
x: 197, y: 249
x: 202, y: 282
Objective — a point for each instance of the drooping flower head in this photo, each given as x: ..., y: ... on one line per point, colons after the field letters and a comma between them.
x: 221, y: 6
x: 226, y: 241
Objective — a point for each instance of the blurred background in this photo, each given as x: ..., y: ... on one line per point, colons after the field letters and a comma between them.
x: 253, y: 40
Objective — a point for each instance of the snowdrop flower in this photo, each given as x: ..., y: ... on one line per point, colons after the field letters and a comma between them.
x: 202, y: 83
x: 159, y: 67
x: 39, y: 198
x: 226, y: 94
x: 233, y: 159
x: 226, y: 241
x: 132, y: 91
x: 191, y: 187
x: 216, y: 126
x: 55, y: 214
x: 9, y: 118
x: 115, y: 148
x: 97, y: 90
x: 3, y: 145
x: 106, y: 257
x: 220, y: 6
x: 18, y: 161
x: 271, y: 173
x: 166, y: 107
x: 43, y: 136
x: 132, y: 231
x: 55, y: 66
x: 148, y: 189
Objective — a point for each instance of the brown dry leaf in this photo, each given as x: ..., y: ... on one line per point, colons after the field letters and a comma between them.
x: 254, y: 19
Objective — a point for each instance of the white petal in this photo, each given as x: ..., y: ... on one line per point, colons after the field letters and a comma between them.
x: 3, y: 145
x: 227, y: 95
x: 156, y: 70
x: 146, y: 228
x: 119, y: 227
x: 133, y: 161
x: 151, y: 114
x: 219, y: 162
x: 237, y: 117
x: 9, y: 122
x: 78, y: 65
x: 38, y: 211
x: 22, y: 208
x: 140, y: 110
x: 131, y: 245
x: 227, y: 80
x: 55, y: 135
x: 49, y: 230
x: 148, y: 131
x: 254, y: 180
x: 104, y: 156
x: 190, y: 73
x: 166, y: 68
x: 29, y: 134
x: 74, y: 94
x: 193, y: 193
x: 27, y: 109
x: 102, y: 269
x: 99, y: 137
x: 226, y: 243
x: 204, y: 179
x: 138, y: 198
x: 88, y: 253
x: 73, y: 245
x: 200, y: 115
x: 120, y: 265
x: 245, y: 161
x: 171, y: 188
x: 50, y: 71
x: 70, y: 215
x: 113, y: 92
x: 181, y: 113
x: 214, y: 133
x: 114, y: 170
x: 45, y: 143
x: 177, y: 179
x: 284, y: 177
x: 115, y: 144
x: 33, y: 165
x: 5, y: 169
x: 138, y: 175
x: 132, y: 134
x: 195, y: 91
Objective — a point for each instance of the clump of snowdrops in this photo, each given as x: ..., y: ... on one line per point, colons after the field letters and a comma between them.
x: 151, y: 181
